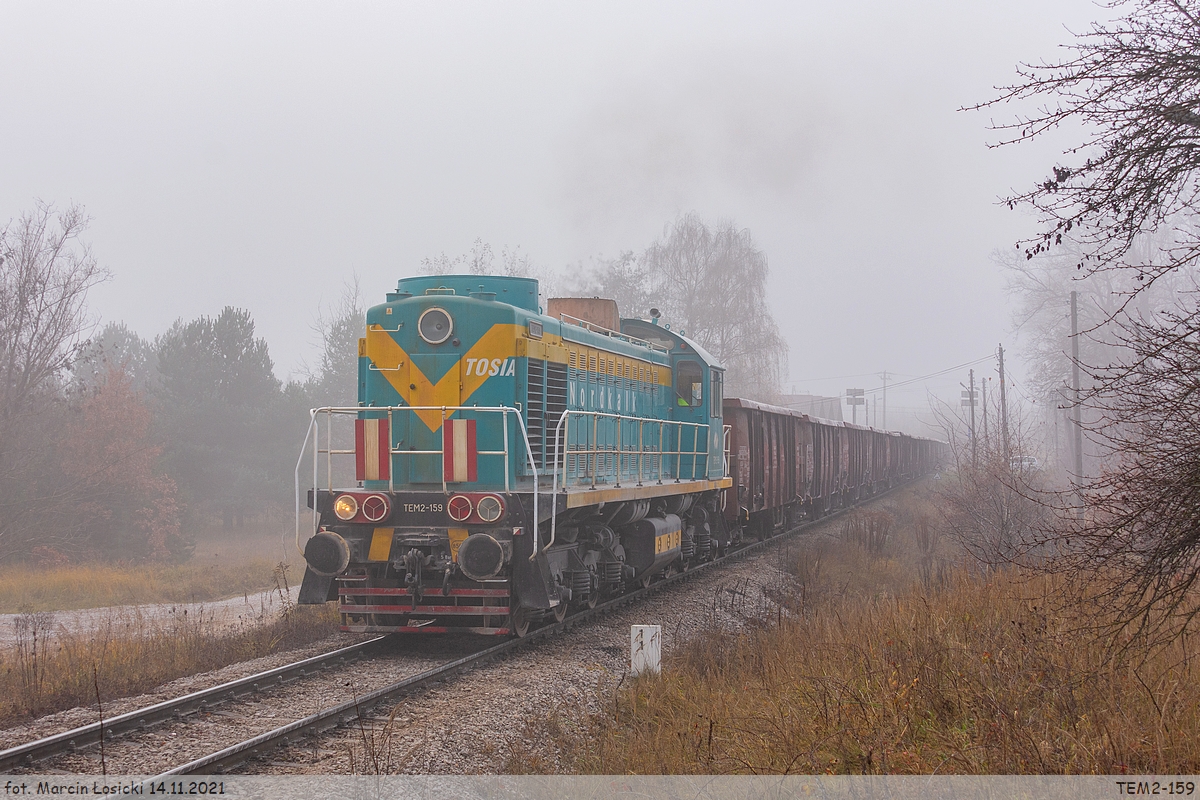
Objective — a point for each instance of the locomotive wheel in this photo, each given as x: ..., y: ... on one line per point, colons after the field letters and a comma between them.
x: 593, y: 599
x: 559, y: 611
x: 519, y: 618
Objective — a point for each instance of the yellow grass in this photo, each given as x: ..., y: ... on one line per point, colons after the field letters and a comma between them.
x: 132, y: 652
x: 223, y: 566
x: 964, y: 674
x: 98, y: 585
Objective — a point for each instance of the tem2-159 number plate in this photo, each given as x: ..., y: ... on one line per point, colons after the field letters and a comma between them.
x: 419, y: 512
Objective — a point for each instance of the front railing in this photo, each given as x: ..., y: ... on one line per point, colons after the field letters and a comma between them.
x: 357, y: 412
x: 389, y: 413
x: 591, y: 449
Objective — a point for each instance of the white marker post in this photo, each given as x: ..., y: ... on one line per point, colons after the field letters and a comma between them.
x: 645, y: 649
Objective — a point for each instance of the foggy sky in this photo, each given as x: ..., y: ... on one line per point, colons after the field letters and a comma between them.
x: 260, y: 155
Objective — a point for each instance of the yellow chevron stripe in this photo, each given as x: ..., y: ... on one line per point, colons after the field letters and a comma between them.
x: 454, y: 388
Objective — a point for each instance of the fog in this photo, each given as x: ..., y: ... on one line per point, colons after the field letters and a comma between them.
x: 261, y: 155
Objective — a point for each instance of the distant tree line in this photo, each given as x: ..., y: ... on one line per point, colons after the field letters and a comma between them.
x: 116, y: 446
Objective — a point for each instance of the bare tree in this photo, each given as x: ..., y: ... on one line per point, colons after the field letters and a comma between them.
x: 478, y: 262
x: 1042, y: 288
x: 993, y: 507
x: 336, y: 380
x: 622, y: 279
x: 1124, y: 211
x: 482, y: 261
x: 1134, y: 85
x: 46, y: 270
x: 710, y: 282
x: 1140, y: 517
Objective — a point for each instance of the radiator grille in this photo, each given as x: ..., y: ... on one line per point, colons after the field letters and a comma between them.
x: 547, y: 401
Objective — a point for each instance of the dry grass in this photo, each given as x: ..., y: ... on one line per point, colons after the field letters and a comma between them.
x: 874, y: 670
x: 25, y: 589
x: 132, y: 651
x: 223, y: 566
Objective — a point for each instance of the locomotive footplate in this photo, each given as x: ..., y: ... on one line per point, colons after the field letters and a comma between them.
x: 398, y: 610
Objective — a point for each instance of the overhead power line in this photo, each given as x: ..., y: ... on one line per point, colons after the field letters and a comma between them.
x: 833, y: 378
x: 939, y: 373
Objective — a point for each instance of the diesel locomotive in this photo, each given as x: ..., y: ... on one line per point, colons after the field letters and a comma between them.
x: 510, y: 465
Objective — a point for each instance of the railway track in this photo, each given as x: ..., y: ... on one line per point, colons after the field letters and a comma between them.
x: 28, y: 754
x: 345, y: 713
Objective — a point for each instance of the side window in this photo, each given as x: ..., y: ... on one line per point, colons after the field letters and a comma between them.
x: 689, y: 384
x: 717, y: 394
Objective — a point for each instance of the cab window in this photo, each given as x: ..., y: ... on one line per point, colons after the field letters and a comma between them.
x: 716, y: 394
x: 689, y: 384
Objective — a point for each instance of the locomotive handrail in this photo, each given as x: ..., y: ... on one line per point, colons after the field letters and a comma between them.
x: 594, y: 328
x: 726, y: 439
x: 594, y: 451
x: 393, y: 451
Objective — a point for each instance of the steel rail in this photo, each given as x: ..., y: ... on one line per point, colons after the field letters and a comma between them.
x: 27, y: 754
x: 337, y: 716
x: 359, y: 708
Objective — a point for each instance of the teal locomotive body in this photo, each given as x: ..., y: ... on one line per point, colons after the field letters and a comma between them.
x: 509, y: 464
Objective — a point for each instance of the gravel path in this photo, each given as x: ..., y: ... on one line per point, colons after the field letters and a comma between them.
x: 260, y: 605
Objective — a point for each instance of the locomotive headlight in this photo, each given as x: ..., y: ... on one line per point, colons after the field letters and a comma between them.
x: 435, y: 326
x: 346, y: 507
x: 489, y: 508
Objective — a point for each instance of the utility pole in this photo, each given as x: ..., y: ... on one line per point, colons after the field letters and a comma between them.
x: 974, y: 457
x: 1057, y: 449
x: 1003, y: 409
x: 1075, y: 385
x: 983, y: 404
x: 968, y: 399
x: 885, y: 399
